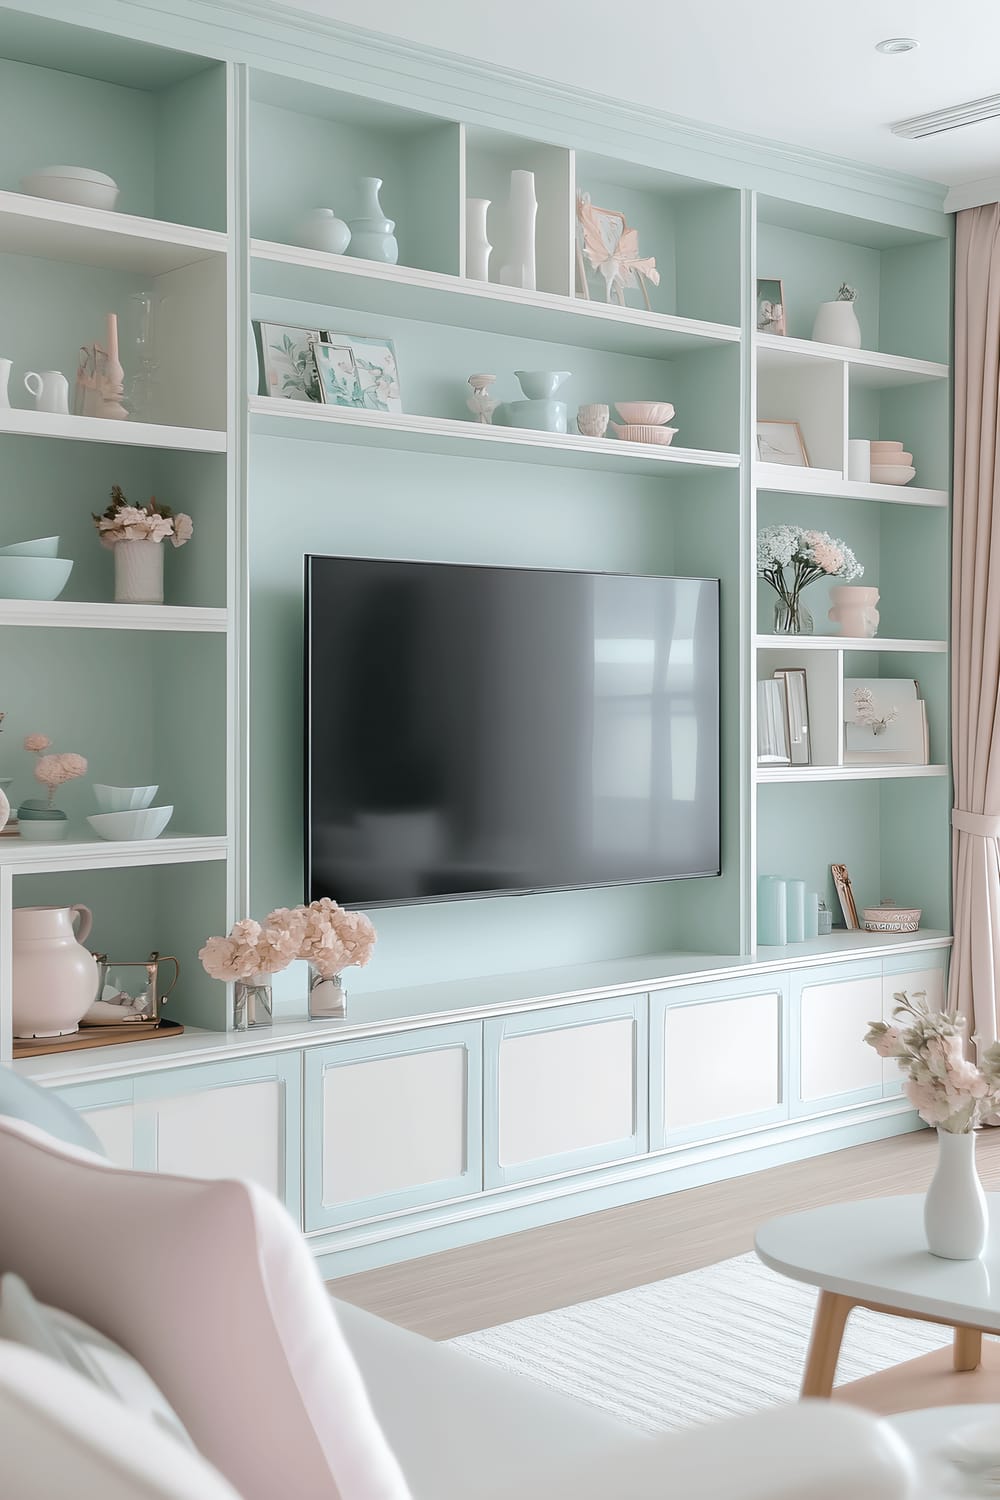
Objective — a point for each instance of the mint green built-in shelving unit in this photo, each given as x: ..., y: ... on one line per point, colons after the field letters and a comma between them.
x: 223, y: 126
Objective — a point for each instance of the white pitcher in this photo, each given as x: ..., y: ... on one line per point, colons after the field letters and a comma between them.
x: 54, y: 975
x: 5, y: 369
x: 50, y: 390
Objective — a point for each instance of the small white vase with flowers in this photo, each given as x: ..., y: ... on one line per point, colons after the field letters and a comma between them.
x: 955, y: 1096
x: 136, y: 534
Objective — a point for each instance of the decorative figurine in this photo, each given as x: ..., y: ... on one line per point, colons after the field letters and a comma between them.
x: 481, y: 403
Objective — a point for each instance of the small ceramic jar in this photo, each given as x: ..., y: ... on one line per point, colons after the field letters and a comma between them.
x: 592, y: 421
x: 855, y: 610
x: 320, y: 229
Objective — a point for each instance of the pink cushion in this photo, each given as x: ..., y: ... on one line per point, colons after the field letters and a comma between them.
x: 209, y: 1285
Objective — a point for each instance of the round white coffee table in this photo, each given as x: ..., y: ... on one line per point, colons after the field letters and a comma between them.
x: 874, y: 1254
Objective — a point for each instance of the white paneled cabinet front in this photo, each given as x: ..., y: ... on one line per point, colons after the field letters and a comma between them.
x: 565, y: 1088
x: 834, y: 1007
x: 392, y: 1123
x: 716, y: 1059
x: 236, y: 1119
x: 902, y: 975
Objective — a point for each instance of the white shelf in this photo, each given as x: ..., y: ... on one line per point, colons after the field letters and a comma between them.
x: 100, y: 430
x: 85, y: 851
x: 787, y: 479
x: 385, y: 1011
x: 765, y: 774
x: 67, y: 614
x: 98, y: 237
x: 274, y: 417
x: 844, y: 643
x: 867, y: 367
x: 430, y: 296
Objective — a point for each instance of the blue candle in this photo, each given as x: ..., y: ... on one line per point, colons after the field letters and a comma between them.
x: 795, y: 893
x: 772, y: 912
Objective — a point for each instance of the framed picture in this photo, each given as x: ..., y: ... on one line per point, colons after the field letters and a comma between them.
x: 287, y: 361
x: 842, y: 881
x: 793, y: 680
x: 780, y: 441
x: 770, y: 305
x: 358, y: 372
x: 607, y: 245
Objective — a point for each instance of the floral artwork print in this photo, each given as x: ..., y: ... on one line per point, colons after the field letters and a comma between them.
x: 289, y: 365
x: 358, y: 372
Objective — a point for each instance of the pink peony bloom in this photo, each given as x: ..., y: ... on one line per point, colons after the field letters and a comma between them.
x: 224, y: 959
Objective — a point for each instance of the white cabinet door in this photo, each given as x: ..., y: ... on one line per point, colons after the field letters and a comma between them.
x: 930, y: 977
x: 715, y: 1059
x: 392, y: 1123
x: 114, y: 1126
x: 236, y: 1119
x: 565, y: 1088
x: 835, y: 1006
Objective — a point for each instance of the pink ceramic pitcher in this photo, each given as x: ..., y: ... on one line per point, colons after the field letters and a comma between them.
x: 54, y: 975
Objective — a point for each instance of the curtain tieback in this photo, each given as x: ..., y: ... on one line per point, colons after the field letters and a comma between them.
x: 980, y: 825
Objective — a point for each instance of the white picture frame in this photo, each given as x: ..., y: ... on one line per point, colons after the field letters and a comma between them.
x: 358, y: 371
x: 287, y: 361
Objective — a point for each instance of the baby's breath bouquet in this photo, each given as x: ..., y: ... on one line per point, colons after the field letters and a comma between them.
x: 790, y: 558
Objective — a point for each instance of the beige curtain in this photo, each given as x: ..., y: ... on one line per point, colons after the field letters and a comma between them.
x: 974, y: 986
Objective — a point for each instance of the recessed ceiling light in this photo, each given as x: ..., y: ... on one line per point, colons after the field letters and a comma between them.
x: 893, y: 44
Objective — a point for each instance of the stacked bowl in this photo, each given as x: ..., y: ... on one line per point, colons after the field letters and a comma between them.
x: 643, y: 422
x: 31, y: 570
x: 891, y: 464
x: 126, y: 813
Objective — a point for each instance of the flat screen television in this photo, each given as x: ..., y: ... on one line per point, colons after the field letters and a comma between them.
x: 477, y: 731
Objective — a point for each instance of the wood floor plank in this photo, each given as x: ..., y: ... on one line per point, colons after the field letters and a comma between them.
x: 478, y: 1286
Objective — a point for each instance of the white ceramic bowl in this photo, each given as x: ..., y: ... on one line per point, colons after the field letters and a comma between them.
x: 891, y: 473
x: 116, y: 799
x: 644, y: 413
x: 80, y: 185
x: 41, y: 546
x: 630, y: 433
x: 34, y: 577
x: 143, y: 823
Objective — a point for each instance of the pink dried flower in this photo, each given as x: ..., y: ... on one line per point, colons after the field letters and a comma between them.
x: 54, y: 770
x: 224, y: 959
x: 183, y: 529
x: 37, y: 742
x: 334, y: 939
x: 281, y: 936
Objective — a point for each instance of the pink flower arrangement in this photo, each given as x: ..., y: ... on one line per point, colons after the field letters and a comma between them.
x: 122, y: 522
x: 944, y: 1087
x: 323, y: 933
x: 54, y: 770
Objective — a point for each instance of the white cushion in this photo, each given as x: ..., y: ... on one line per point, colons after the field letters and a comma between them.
x: 246, y: 1345
x: 62, y: 1437
x: 77, y: 1346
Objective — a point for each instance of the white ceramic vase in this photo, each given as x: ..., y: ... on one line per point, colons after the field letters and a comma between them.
x: 855, y: 610
x: 519, y: 268
x: 956, y: 1219
x: 837, y: 323
x: 139, y: 572
x: 320, y: 229
x: 4, y: 808
x: 477, y: 246
x: 6, y: 365
x: 54, y: 975
x: 327, y: 997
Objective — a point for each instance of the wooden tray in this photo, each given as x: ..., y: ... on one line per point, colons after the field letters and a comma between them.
x: 95, y: 1036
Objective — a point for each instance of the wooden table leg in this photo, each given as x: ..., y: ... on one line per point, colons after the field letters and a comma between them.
x: 968, y: 1349
x: 830, y: 1319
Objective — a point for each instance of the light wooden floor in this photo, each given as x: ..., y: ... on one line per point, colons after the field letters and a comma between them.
x: 462, y: 1290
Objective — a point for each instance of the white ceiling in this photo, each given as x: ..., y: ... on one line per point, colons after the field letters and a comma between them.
x: 802, y: 72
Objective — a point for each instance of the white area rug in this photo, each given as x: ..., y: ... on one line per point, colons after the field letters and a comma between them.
x: 712, y: 1343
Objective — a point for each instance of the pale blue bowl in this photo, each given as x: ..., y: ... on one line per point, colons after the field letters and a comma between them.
x: 34, y: 577
x: 42, y: 546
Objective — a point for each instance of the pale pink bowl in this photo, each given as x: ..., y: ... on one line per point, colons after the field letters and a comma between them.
x: 644, y: 413
x: 634, y: 432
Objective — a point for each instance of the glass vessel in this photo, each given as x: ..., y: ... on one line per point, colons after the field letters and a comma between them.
x: 139, y: 353
x: 252, y: 1002
x: 791, y: 617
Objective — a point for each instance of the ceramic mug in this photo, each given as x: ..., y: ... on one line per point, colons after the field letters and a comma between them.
x: 50, y: 390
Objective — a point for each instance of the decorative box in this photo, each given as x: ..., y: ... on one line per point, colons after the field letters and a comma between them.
x: 892, y: 918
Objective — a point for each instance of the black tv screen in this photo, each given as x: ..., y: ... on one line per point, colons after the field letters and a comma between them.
x: 489, y: 730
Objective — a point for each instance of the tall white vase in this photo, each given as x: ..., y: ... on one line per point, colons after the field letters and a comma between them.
x: 519, y: 269
x: 956, y: 1219
x: 477, y: 247
x: 139, y: 572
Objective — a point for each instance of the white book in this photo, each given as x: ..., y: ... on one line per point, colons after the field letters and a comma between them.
x: 772, y: 732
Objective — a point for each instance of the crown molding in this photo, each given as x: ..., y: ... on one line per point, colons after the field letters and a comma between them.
x: 300, y: 42
x: 973, y: 194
